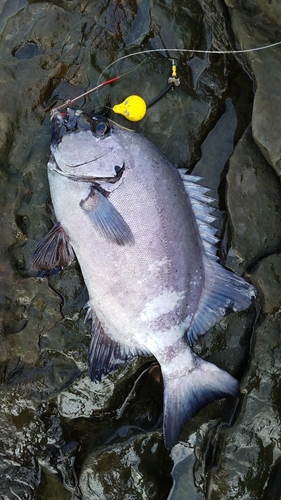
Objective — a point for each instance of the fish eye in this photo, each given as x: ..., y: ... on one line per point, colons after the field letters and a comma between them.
x: 100, y: 125
x: 101, y: 128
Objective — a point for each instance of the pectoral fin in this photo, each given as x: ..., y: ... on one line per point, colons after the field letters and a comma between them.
x: 106, y: 219
x: 52, y: 253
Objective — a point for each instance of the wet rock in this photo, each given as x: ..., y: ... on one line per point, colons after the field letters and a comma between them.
x: 185, y: 457
x: 267, y: 279
x: 131, y: 395
x: 31, y: 429
x: 254, y: 206
x: 25, y: 316
x: 211, y: 164
x: 51, y: 414
x: 271, y: 8
x: 83, y: 398
x: 255, y: 24
x: 6, y: 131
x: 70, y: 336
x: 8, y: 9
x: 250, y: 451
x: 227, y: 344
x: 18, y: 480
x: 49, y: 375
x: 136, y: 469
x: 25, y: 50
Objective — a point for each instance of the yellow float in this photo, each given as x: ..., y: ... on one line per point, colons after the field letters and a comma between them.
x: 133, y: 108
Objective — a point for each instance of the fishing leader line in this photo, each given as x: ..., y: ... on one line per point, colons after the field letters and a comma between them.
x: 97, y: 87
x: 149, y: 51
x: 134, y: 107
x: 196, y: 51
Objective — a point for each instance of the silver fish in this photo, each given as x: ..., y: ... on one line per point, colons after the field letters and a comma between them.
x: 141, y: 231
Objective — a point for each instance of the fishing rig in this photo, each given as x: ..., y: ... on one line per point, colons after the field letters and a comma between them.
x: 134, y: 107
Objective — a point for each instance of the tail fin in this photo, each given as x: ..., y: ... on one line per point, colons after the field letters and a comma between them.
x: 184, y: 396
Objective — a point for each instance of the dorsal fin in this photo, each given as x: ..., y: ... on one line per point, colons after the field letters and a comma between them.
x: 202, y: 209
x: 223, y: 290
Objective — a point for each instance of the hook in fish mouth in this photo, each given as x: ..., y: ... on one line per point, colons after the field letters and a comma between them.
x: 75, y: 120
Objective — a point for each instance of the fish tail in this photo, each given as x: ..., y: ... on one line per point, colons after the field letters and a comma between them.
x: 189, y: 392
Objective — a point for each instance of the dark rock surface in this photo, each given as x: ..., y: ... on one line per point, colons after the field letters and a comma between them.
x: 253, y: 199
x: 63, y: 437
x: 258, y: 23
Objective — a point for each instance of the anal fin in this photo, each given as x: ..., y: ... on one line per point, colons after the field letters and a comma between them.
x: 105, y: 354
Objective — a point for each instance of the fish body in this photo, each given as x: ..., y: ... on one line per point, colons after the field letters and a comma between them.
x: 141, y: 232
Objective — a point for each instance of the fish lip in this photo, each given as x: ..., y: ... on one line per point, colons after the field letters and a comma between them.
x: 85, y: 162
x: 53, y: 166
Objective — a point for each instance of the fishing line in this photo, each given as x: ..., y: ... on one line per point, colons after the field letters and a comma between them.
x: 70, y: 101
x: 150, y: 51
x: 98, y: 86
x: 125, y: 111
x: 195, y: 51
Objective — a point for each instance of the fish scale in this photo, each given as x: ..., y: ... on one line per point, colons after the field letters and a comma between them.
x: 140, y: 229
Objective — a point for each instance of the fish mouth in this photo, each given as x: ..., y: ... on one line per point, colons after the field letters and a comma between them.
x: 85, y: 162
x: 52, y: 165
x: 72, y: 124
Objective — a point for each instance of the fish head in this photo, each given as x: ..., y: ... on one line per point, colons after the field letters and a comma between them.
x: 83, y: 148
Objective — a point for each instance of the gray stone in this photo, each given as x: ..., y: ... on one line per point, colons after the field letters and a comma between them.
x: 254, y: 206
x: 128, y: 471
x: 250, y: 451
x: 255, y: 24
x: 267, y: 278
x: 251, y: 448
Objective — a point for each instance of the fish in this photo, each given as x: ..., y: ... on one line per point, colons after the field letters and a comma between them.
x: 141, y: 230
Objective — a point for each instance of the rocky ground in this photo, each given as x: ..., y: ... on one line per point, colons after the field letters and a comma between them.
x: 63, y: 437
